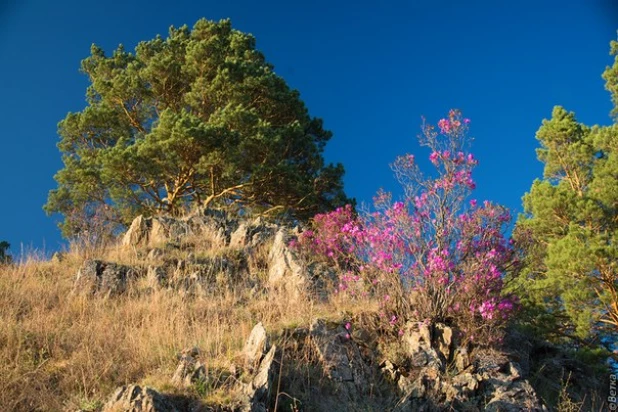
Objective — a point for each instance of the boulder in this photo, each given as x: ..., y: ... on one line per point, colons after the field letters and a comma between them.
x: 507, y: 390
x: 134, y: 398
x: 340, y: 358
x: 159, y: 232
x: 240, y: 237
x: 260, y: 362
x: 443, y: 339
x: 96, y: 277
x: 417, y: 339
x: 462, y: 387
x: 138, y: 232
x: 257, y: 391
x: 285, y: 272
x: 213, y: 225
x: 251, y: 234
x: 201, y: 276
x: 256, y: 346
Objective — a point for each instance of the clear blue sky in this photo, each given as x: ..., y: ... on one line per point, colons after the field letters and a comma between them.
x: 369, y: 69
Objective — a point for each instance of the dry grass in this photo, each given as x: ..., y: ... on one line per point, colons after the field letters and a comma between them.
x: 60, y: 351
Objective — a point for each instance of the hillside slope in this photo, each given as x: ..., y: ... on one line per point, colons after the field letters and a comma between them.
x: 214, y: 312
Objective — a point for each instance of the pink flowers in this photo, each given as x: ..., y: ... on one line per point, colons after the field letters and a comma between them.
x: 433, y: 157
x: 487, y: 310
x: 444, y: 125
x: 428, y: 242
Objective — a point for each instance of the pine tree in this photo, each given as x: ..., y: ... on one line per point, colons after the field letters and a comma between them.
x: 198, y: 117
x: 569, y: 227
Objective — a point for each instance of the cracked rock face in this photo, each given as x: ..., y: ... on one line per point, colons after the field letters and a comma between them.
x: 152, y: 231
x: 285, y: 271
x: 259, y: 360
x: 96, y: 277
x: 252, y: 234
x: 256, y: 346
x: 340, y: 357
x: 492, y: 383
x: 137, y: 234
x: 134, y: 398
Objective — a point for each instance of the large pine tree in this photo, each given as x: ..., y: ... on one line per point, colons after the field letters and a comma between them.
x: 570, y: 227
x: 197, y: 117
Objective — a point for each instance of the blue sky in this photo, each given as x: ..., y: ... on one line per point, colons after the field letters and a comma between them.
x: 369, y: 69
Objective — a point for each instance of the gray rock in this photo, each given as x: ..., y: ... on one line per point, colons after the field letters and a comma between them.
x: 506, y: 390
x: 252, y: 234
x: 418, y: 342
x: 256, y: 346
x: 258, y: 390
x: 390, y: 370
x: 443, y: 339
x: 134, y: 398
x: 96, y: 277
x: 137, y: 234
x: 215, y: 225
x: 285, y: 272
x: 159, y: 232
x: 199, y: 277
x: 340, y: 358
x: 461, y: 358
x: 240, y: 237
x: 261, y: 366
x: 417, y: 337
x: 189, y: 369
x: 462, y: 387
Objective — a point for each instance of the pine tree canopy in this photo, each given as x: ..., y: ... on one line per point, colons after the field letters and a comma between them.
x: 570, y: 226
x: 198, y: 117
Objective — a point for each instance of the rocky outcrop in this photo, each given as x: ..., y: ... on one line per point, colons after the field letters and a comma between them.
x: 134, y: 398
x: 211, y: 225
x: 255, y: 347
x: 340, y: 358
x: 507, y: 391
x: 441, y: 375
x: 96, y: 277
x: 259, y: 361
x: 428, y: 382
x: 436, y: 372
x: 252, y: 389
x: 252, y: 234
x: 138, y: 232
x: 285, y: 270
x: 258, y: 246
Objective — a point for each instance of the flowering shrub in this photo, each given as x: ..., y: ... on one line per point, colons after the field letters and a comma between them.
x: 432, y: 256
x: 333, y: 236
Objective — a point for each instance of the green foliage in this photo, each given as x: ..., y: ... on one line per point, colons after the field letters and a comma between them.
x: 194, y: 118
x: 611, y: 77
x: 569, y: 228
x: 4, y: 256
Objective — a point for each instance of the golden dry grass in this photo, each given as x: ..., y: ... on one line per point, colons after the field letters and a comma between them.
x: 60, y: 351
